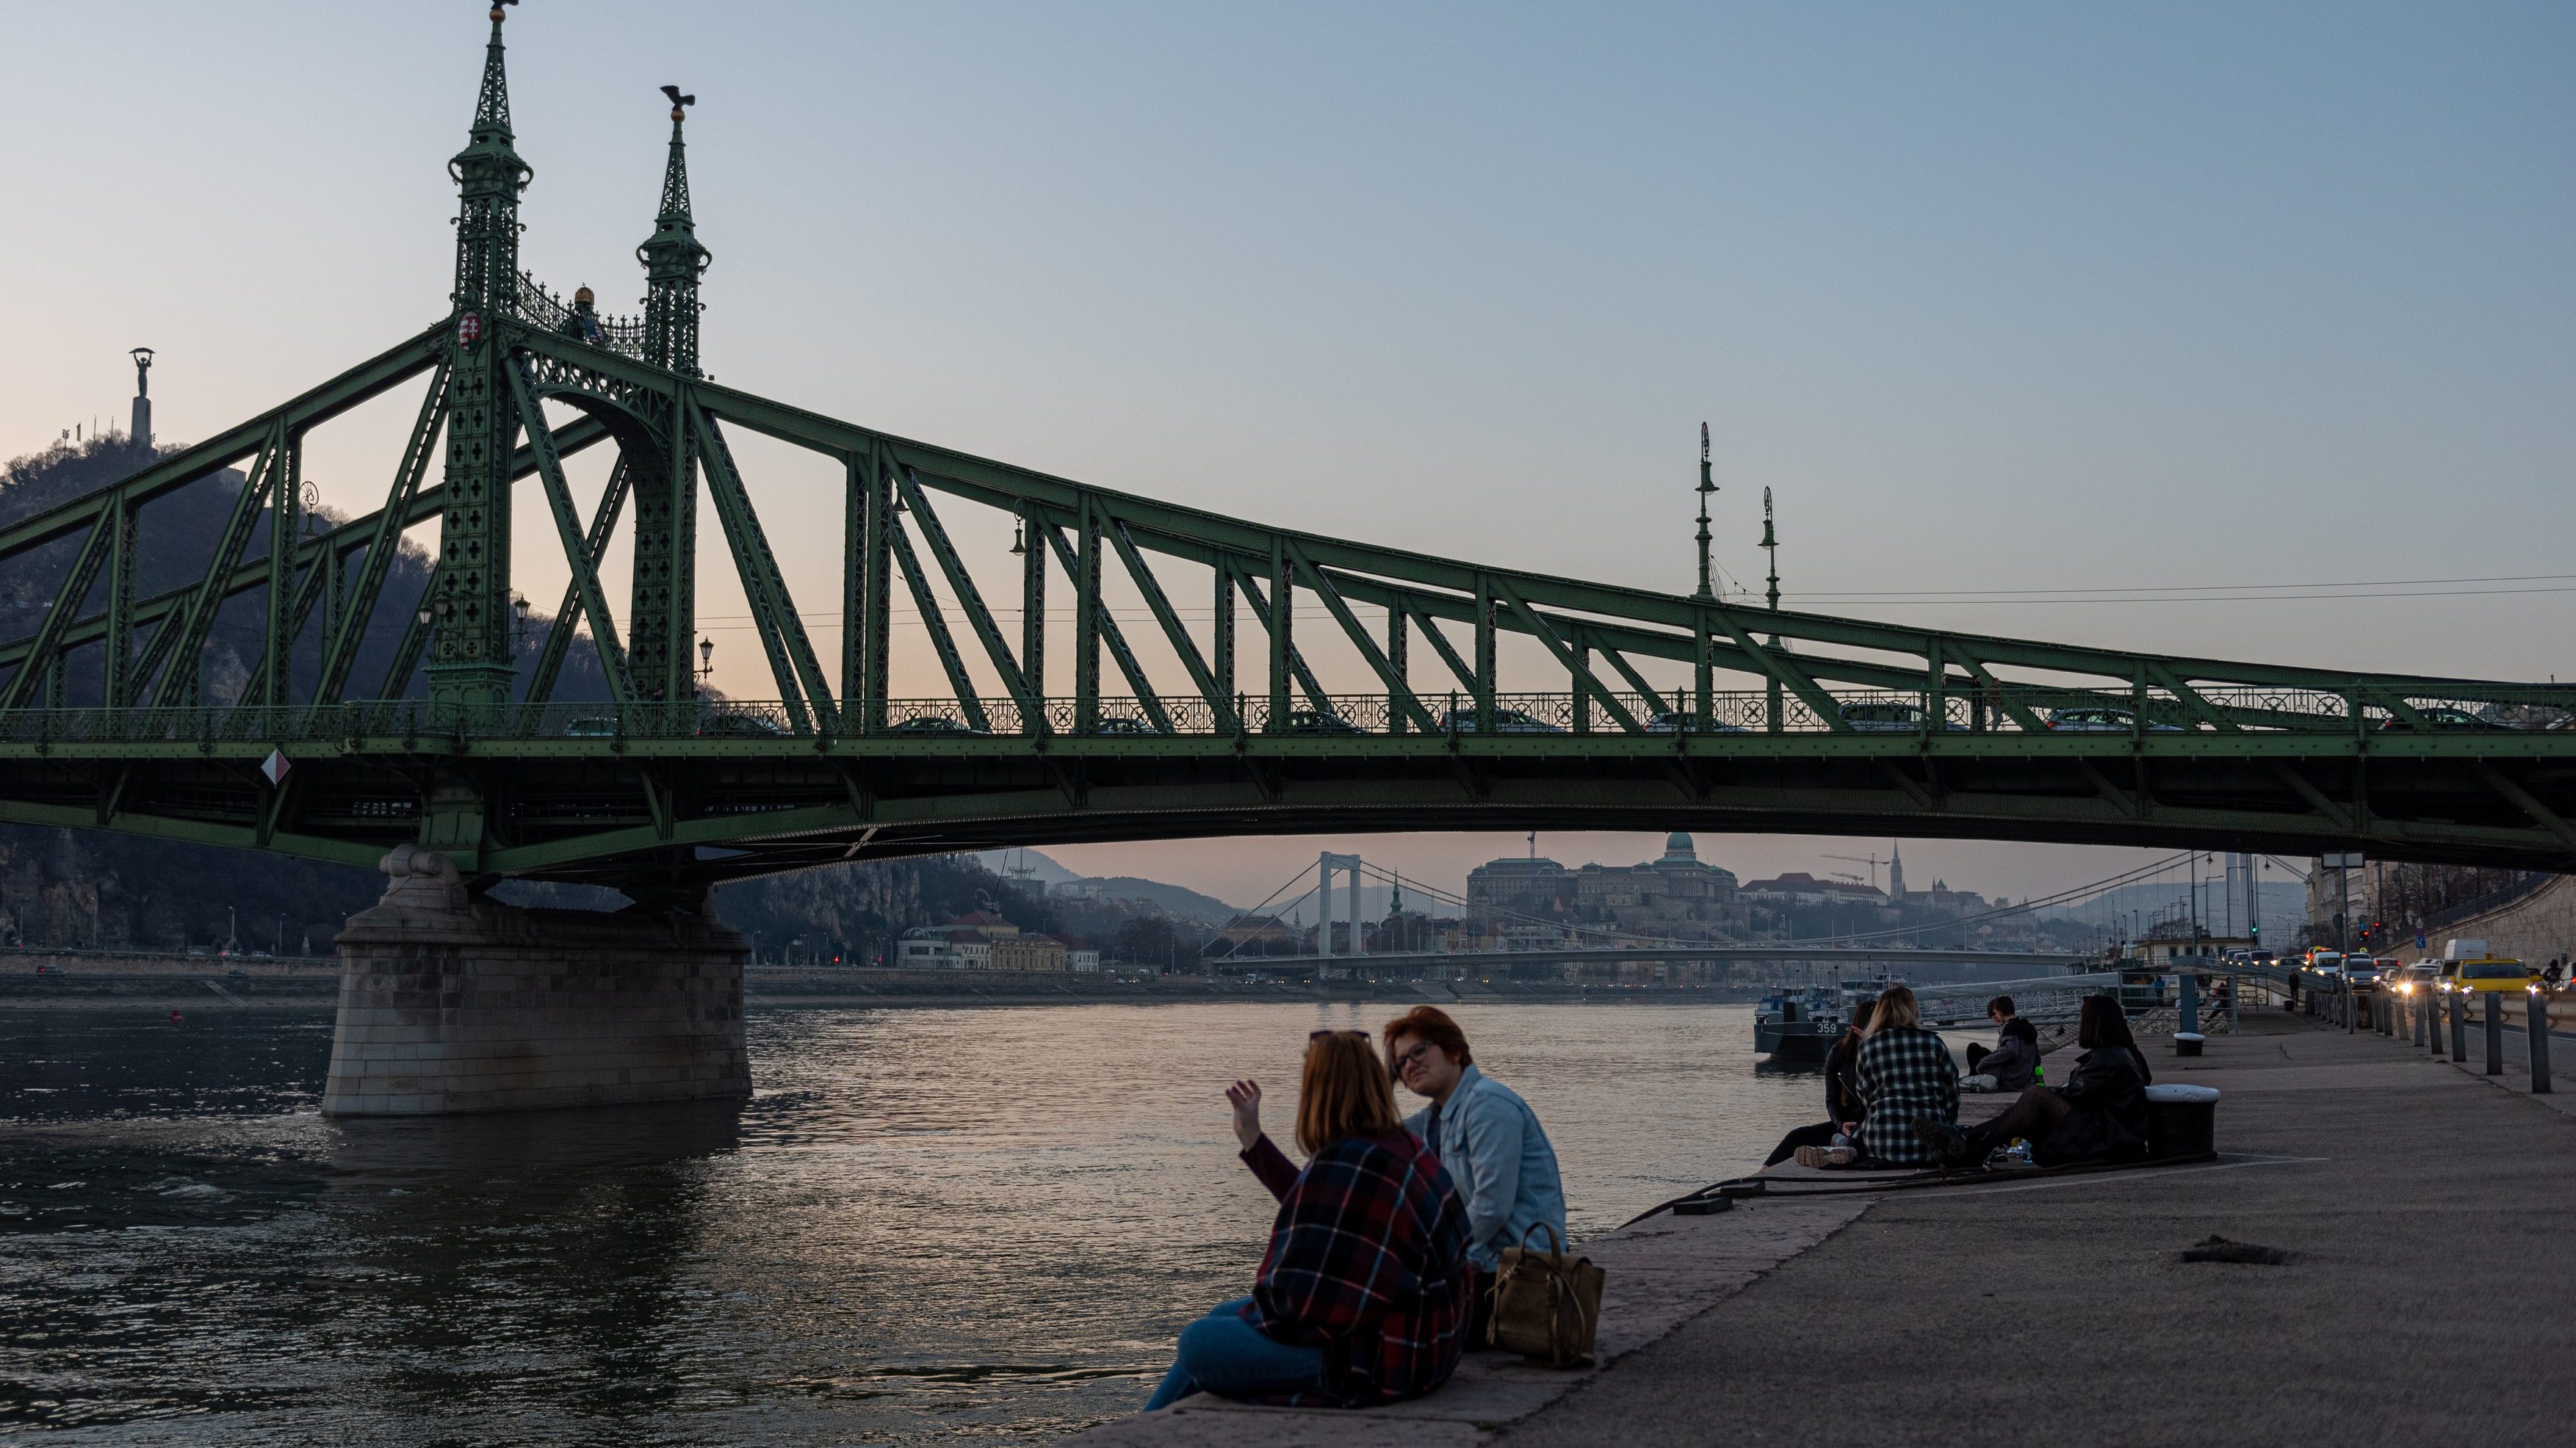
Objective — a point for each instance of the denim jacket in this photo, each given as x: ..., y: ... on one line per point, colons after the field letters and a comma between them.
x: 1500, y: 1158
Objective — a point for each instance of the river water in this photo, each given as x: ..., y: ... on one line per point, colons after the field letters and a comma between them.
x: 928, y: 1226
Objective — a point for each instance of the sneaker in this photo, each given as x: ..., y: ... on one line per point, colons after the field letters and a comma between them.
x: 1949, y: 1144
x: 1825, y: 1156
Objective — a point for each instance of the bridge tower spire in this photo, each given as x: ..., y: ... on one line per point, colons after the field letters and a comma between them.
x: 470, y: 659
x: 664, y: 614
x: 1707, y: 485
x: 673, y: 259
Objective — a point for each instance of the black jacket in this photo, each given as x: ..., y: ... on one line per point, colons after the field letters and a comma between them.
x: 2014, y: 1062
x: 2109, y: 1094
x: 1842, y: 1085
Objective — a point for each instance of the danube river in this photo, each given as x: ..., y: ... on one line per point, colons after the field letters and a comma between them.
x: 929, y: 1225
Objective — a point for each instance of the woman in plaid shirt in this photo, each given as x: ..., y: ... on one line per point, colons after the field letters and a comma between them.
x: 1362, y: 1297
x: 1905, y: 1072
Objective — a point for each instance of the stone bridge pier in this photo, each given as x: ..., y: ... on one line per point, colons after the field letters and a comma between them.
x: 450, y: 1004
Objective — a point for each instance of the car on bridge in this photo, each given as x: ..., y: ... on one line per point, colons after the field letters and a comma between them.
x: 1506, y: 721
x: 595, y: 726
x: 2102, y: 719
x: 735, y: 724
x: 2444, y: 717
x: 933, y: 724
x: 1317, y: 721
x: 1674, y: 721
x: 1887, y: 716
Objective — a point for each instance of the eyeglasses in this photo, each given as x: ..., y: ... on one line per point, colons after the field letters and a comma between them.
x: 1409, y: 1057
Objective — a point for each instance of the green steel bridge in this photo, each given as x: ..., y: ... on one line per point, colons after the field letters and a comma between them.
x: 1620, y: 708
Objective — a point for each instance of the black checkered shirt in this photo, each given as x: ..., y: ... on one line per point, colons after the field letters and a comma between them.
x: 1905, y: 1072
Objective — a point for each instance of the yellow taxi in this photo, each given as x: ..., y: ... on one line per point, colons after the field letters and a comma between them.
x: 2492, y: 974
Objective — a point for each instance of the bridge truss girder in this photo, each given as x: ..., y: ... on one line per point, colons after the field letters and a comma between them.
x: 698, y: 811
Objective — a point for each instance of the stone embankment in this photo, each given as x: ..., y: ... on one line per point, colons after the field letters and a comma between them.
x: 2416, y: 1207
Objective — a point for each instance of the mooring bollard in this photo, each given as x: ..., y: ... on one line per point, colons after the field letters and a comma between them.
x: 2493, y: 1019
x: 2459, y: 1027
x: 2538, y: 1025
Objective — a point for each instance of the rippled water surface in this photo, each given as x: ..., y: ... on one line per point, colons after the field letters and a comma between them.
x: 929, y: 1225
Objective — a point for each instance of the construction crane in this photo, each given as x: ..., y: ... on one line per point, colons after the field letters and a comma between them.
x: 1871, y: 859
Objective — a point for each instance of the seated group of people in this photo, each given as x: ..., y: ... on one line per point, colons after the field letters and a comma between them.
x: 1382, y: 1257
x: 1892, y: 1092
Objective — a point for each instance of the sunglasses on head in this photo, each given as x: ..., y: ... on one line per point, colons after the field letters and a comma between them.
x: 1329, y: 1031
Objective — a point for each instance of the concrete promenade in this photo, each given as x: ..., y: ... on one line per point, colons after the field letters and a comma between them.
x: 2428, y: 1300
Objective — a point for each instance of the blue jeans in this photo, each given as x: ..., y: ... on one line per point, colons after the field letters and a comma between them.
x: 1223, y: 1354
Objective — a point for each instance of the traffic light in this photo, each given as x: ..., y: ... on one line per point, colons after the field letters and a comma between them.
x: 2254, y: 932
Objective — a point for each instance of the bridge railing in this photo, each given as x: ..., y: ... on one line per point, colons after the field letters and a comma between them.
x: 1847, y: 711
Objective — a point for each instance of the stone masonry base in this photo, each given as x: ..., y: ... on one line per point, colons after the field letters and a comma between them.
x: 448, y: 1006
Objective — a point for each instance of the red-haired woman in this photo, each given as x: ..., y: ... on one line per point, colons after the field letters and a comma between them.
x: 1362, y: 1297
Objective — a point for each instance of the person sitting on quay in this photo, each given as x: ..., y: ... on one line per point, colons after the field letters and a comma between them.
x: 1362, y: 1295
x: 1490, y: 1141
x: 1844, y: 1107
x: 2014, y: 1062
x: 2099, y: 1114
x: 1905, y: 1074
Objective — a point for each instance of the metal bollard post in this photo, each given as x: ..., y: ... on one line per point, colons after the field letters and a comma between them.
x: 2416, y: 1010
x: 2187, y: 1001
x: 2494, y: 1021
x: 2538, y: 1025
x: 2351, y: 1010
x: 2459, y: 1027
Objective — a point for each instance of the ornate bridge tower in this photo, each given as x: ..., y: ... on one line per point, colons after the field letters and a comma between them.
x: 469, y: 603
x: 664, y: 616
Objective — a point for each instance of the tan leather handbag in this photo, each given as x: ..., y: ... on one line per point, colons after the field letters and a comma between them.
x: 1547, y: 1306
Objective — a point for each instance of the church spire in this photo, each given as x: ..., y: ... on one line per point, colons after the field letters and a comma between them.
x: 673, y: 259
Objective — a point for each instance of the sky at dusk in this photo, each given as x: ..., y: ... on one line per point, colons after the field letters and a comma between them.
x: 2237, y: 330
